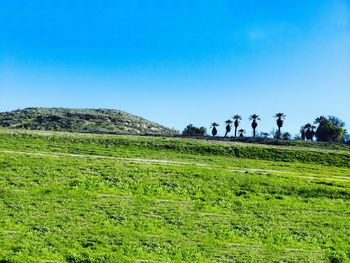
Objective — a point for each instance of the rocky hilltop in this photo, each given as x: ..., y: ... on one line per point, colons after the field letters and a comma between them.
x: 81, y: 120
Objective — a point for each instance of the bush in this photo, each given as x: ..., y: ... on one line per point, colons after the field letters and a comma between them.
x: 286, y: 136
x: 330, y: 129
x: 191, y: 130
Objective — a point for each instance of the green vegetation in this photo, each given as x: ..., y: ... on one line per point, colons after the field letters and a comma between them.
x: 68, y: 197
x: 330, y: 129
x: 106, y: 121
x: 81, y: 120
x: 192, y: 130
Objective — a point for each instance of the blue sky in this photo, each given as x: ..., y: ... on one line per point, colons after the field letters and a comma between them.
x: 179, y: 62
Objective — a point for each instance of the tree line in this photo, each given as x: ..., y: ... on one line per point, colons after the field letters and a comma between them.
x: 326, y: 129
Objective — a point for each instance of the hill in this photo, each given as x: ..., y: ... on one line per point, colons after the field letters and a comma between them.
x: 81, y: 120
x: 68, y: 197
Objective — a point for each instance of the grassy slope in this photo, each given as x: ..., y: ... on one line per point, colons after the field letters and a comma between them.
x: 109, y: 202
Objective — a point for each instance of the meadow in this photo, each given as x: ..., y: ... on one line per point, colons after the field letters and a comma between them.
x: 68, y: 197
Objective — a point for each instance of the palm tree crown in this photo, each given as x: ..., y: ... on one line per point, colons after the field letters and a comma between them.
x: 237, y: 117
x: 254, y: 117
x: 280, y: 115
x: 309, y: 126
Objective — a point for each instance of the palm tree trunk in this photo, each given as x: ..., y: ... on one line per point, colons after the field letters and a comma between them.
x: 235, y: 132
x: 279, y: 133
x: 254, y: 133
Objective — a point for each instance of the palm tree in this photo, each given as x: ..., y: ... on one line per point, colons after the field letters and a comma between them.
x: 237, y: 118
x: 280, y: 117
x: 228, y: 126
x: 254, y: 118
x: 309, y: 133
x: 214, y: 131
x: 241, y: 133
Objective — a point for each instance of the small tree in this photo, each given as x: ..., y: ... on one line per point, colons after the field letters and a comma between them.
x: 286, y: 136
x: 214, y: 131
x: 241, y: 133
x: 228, y: 126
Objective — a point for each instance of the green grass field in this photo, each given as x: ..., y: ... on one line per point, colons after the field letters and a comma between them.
x: 103, y: 198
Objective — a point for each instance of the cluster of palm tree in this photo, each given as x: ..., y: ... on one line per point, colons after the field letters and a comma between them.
x: 329, y: 129
x: 236, y: 120
x: 254, y: 118
x: 307, y: 132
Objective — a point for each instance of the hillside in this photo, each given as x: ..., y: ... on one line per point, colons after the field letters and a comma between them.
x: 81, y: 120
x: 68, y: 197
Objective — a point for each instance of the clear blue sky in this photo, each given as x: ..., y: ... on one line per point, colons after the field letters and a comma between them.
x: 179, y: 62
